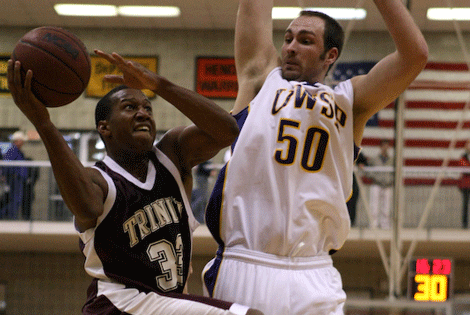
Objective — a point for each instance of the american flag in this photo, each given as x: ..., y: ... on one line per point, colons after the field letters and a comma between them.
x: 434, y: 105
x: 347, y: 70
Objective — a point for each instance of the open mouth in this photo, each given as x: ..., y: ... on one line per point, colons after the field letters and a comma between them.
x: 143, y: 128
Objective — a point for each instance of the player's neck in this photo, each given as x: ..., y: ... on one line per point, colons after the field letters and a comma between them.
x: 136, y: 165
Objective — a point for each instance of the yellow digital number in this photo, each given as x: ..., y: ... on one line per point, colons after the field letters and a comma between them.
x: 438, y: 288
x: 431, y: 288
x: 423, y: 287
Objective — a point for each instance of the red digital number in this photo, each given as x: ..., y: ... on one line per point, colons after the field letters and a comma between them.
x: 422, y: 266
x: 441, y: 267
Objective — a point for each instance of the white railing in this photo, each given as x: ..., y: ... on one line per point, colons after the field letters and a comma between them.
x: 446, y: 209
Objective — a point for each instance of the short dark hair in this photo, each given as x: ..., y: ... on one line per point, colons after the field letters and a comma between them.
x: 334, y: 34
x: 105, y: 105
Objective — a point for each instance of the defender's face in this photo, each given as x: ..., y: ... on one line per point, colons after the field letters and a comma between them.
x: 303, y: 52
x: 131, y: 122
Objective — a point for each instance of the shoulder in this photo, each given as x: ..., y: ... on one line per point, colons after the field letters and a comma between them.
x: 256, y: 69
x: 169, y: 145
x: 99, y: 178
x: 345, y: 88
x: 251, y: 83
x: 11, y: 152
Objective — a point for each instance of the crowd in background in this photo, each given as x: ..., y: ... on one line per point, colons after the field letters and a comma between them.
x: 17, y: 182
x: 17, y: 185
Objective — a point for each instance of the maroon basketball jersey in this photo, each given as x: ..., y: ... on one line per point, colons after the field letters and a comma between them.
x: 143, y: 238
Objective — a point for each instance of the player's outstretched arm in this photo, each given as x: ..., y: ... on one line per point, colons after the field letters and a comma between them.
x: 255, y: 53
x: 83, y: 189
x: 213, y: 127
x: 394, y: 73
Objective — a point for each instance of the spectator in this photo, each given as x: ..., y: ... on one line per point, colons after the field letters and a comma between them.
x: 464, y: 184
x: 29, y: 194
x: 361, y: 161
x: 381, y: 189
x: 15, y: 177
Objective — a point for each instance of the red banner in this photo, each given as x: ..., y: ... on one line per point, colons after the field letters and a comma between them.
x: 216, y: 77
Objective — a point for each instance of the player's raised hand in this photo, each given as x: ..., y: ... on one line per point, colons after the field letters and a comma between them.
x: 134, y: 74
x: 22, y: 95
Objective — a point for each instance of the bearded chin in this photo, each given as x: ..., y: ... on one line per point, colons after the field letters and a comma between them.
x: 290, y: 75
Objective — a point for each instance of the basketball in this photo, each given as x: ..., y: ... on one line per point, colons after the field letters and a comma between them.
x: 60, y: 63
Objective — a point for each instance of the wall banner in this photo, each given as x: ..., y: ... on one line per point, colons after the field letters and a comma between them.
x: 4, y: 91
x: 100, y: 67
x: 216, y: 77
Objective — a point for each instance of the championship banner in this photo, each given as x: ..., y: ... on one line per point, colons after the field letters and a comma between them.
x: 216, y: 77
x: 100, y: 67
x: 4, y: 91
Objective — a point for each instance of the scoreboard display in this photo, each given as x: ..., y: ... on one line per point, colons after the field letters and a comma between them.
x: 430, y: 279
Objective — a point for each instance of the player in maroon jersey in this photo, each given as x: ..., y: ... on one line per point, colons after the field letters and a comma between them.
x: 132, y: 209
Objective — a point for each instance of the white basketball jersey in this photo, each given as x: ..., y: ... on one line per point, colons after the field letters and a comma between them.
x: 290, y: 174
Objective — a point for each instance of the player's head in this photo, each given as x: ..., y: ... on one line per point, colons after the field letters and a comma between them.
x: 333, y: 35
x: 105, y: 105
x: 124, y: 117
x: 312, y: 44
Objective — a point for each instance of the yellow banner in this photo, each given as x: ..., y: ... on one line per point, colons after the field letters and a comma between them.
x: 100, y: 67
x: 3, y: 75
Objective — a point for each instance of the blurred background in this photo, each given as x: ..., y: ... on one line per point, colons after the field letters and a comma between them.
x: 420, y: 183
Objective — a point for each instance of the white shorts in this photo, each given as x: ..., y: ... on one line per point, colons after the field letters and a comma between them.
x: 276, y: 285
x: 115, y: 298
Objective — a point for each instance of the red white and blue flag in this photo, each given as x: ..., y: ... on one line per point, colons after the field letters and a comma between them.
x: 435, y: 106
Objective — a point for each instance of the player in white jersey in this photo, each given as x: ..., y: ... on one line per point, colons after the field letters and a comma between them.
x: 279, y: 207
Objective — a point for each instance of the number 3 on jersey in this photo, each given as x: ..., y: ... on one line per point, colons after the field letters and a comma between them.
x: 170, y: 261
x: 312, y: 150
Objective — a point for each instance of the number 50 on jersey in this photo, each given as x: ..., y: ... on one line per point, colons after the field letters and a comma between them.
x: 430, y: 279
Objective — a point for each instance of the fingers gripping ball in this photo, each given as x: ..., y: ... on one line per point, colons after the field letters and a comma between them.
x: 60, y: 63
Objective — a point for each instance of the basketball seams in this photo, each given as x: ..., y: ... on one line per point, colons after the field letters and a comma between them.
x: 50, y: 89
x: 56, y: 58
x: 60, y: 62
x: 73, y: 38
x: 34, y: 81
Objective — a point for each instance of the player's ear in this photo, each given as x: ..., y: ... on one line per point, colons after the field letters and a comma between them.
x: 103, y: 128
x: 332, y: 55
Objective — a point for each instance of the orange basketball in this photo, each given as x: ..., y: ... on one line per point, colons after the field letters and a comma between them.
x: 60, y: 63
